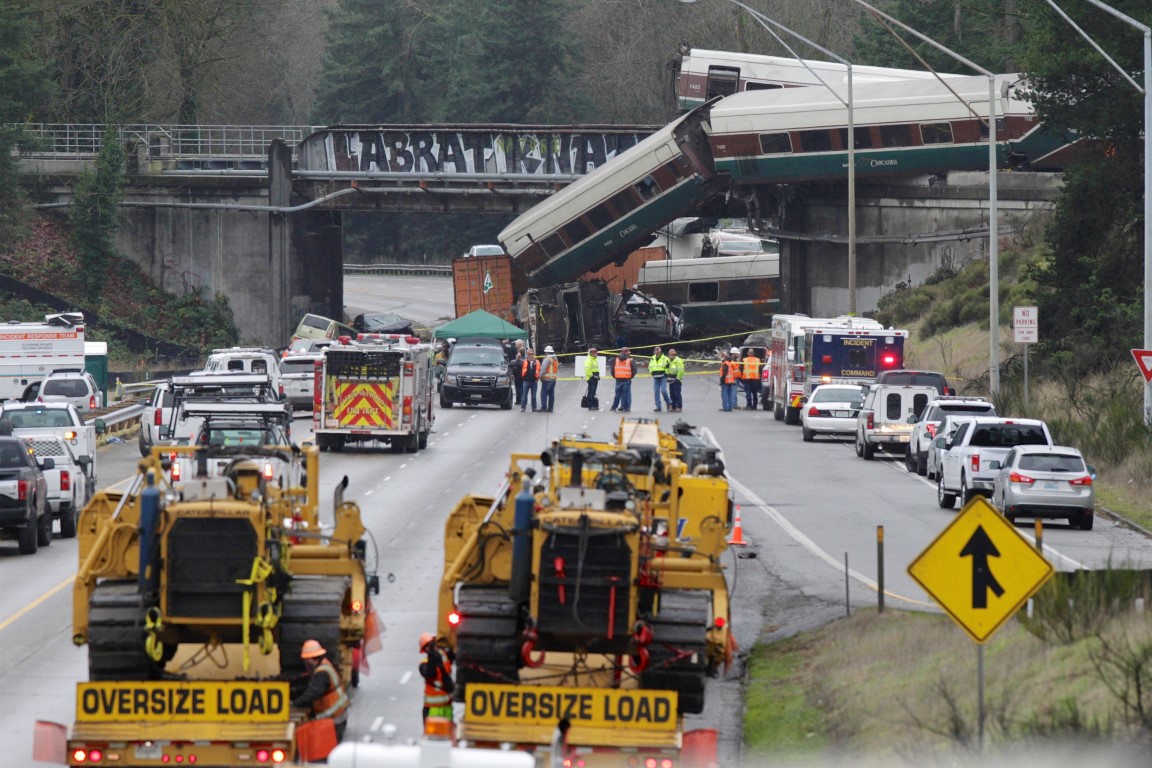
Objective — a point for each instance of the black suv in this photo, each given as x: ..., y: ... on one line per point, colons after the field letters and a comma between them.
x: 477, y: 372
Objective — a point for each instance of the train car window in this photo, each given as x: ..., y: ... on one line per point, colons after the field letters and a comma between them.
x: 896, y: 136
x: 750, y: 86
x: 863, y: 137
x: 722, y: 81
x: 553, y: 245
x: 815, y: 141
x: 600, y: 217
x: 623, y: 201
x: 647, y: 187
x: 576, y: 231
x: 701, y: 292
x: 936, y: 133
x: 775, y: 143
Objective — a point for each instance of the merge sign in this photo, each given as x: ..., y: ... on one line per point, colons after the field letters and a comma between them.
x: 980, y: 569
x: 1025, y: 325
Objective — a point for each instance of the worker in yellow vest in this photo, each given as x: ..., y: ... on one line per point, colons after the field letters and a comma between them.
x: 675, y: 381
x: 658, y: 367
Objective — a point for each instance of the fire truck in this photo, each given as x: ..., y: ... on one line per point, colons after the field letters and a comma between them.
x: 377, y: 388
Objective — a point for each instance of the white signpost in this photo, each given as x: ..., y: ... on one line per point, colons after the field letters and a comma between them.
x: 1025, y: 330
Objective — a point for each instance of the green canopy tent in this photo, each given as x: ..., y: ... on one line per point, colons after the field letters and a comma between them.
x: 479, y: 324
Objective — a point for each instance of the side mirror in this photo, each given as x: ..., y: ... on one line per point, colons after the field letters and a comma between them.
x: 84, y: 461
x: 940, y: 442
x: 48, y: 464
x: 101, y: 427
x: 913, y: 419
x: 1091, y: 470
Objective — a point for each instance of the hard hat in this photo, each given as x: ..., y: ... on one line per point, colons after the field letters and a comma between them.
x: 592, y: 349
x: 425, y: 638
x: 734, y: 351
x: 311, y: 650
x: 549, y: 351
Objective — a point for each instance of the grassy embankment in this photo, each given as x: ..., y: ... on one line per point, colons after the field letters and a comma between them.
x: 902, y: 687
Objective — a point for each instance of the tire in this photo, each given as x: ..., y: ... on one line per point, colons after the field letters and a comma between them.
x: 922, y: 463
x: 145, y: 449
x: 808, y: 434
x: 411, y: 444
x: 965, y: 494
x: 311, y: 610
x: 869, y: 450
x: 507, y: 404
x: 29, y: 538
x: 792, y: 416
x: 422, y: 440
x: 44, y: 528
x: 778, y: 412
x: 116, y: 634
x: 487, y: 638
x: 859, y: 446
x: 68, y: 524
x: 944, y: 499
x: 678, y: 651
x: 909, y: 461
x: 445, y: 402
x: 1086, y: 519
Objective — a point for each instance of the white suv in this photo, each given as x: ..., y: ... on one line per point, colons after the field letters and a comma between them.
x: 885, y: 420
x: 72, y: 385
x: 924, y: 430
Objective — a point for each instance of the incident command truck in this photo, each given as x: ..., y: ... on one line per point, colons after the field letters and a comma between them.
x: 853, y: 354
x: 378, y: 388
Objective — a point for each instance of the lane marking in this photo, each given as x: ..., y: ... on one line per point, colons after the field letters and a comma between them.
x: 368, y: 493
x: 407, y: 676
x: 36, y: 602
x: 379, y: 721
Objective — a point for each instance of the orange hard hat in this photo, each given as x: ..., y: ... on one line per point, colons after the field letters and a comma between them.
x: 311, y: 650
x: 425, y: 638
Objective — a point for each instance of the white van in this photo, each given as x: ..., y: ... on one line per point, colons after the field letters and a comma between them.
x: 888, y: 417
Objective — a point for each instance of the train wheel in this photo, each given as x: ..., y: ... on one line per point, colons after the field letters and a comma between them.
x: 678, y: 652
x: 116, y: 634
x: 487, y: 637
x: 311, y: 611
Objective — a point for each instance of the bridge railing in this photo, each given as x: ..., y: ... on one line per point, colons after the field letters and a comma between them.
x: 162, y: 142
x: 442, y: 270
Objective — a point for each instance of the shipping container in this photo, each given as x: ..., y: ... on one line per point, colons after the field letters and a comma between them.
x: 490, y: 283
x: 623, y: 276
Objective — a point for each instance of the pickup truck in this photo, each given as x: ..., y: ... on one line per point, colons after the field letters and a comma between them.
x: 966, y: 457
x: 68, y: 489
x: 23, y: 496
x: 34, y: 420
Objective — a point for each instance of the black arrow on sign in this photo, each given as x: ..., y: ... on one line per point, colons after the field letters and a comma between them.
x: 980, y: 548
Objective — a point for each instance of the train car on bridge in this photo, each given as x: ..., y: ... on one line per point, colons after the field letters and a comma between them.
x: 745, y: 142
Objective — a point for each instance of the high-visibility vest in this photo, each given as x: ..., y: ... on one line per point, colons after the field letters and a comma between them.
x: 751, y: 367
x: 434, y: 693
x: 550, y: 368
x: 524, y: 368
x: 591, y: 367
x: 658, y: 365
x: 622, y: 369
x: 676, y: 368
x: 335, y: 702
x: 729, y: 372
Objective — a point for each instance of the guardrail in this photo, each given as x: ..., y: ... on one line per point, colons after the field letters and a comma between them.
x: 438, y: 270
x: 163, y: 141
x: 119, y: 420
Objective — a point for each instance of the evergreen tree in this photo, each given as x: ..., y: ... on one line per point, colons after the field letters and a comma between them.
x: 95, y: 215
x: 23, y: 87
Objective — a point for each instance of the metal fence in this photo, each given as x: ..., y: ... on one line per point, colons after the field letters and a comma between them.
x: 163, y: 142
x: 441, y: 270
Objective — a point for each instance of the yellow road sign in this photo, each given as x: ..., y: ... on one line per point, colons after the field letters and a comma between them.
x: 980, y: 569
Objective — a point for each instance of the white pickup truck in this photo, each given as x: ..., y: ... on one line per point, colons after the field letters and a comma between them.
x: 35, y: 420
x: 966, y: 456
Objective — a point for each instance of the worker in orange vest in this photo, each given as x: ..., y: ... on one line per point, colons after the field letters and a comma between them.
x: 623, y: 369
x: 325, y: 692
x: 529, y: 375
x: 750, y: 375
x: 436, y: 669
x: 729, y: 379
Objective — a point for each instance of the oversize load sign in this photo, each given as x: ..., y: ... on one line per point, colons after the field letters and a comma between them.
x: 531, y: 705
x: 197, y: 702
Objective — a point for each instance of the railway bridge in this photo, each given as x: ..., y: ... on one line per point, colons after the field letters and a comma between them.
x: 254, y: 212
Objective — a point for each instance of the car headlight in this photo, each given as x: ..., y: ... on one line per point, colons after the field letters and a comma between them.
x: 450, y: 378
x: 503, y: 380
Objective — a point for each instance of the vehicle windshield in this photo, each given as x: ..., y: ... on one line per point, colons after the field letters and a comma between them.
x: 65, y: 388
x: 231, y: 436
x: 288, y: 366
x: 477, y: 357
x: 851, y: 395
x: 1007, y: 435
x: 1051, y: 462
x: 35, y: 418
x: 968, y: 408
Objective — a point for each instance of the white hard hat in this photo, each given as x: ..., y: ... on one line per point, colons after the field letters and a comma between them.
x: 734, y: 351
x: 548, y: 350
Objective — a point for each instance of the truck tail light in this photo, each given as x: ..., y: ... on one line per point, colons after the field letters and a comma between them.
x: 267, y: 470
x: 1016, y: 477
x: 91, y: 402
x: 870, y: 422
x: 1081, y: 481
x: 156, y: 416
x: 975, y: 462
x: 22, y: 489
x: 889, y: 360
x: 175, y: 471
x: 65, y: 480
x: 82, y: 755
x: 931, y: 428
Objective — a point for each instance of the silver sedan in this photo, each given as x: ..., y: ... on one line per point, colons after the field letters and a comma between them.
x: 831, y: 409
x: 1040, y: 481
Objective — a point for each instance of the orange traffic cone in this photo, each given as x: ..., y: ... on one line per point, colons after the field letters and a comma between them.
x: 737, y: 539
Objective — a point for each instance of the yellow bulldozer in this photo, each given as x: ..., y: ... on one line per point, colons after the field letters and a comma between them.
x: 597, y: 564
x: 187, y: 556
